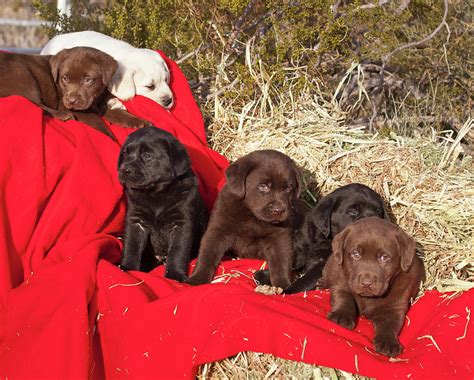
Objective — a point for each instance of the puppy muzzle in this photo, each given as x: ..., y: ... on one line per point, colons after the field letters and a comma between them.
x: 76, y: 102
x: 130, y: 176
x: 368, y: 284
x: 167, y: 102
x: 275, y: 213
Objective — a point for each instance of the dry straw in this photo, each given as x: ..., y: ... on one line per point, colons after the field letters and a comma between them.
x: 426, y: 180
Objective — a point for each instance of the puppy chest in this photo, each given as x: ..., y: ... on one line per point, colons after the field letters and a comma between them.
x: 160, y: 242
x: 162, y: 233
x: 259, y: 247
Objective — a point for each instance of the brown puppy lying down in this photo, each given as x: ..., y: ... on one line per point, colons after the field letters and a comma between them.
x: 69, y: 85
x: 253, y: 217
x: 374, y: 271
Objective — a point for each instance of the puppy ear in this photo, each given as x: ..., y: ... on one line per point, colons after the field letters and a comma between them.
x: 386, y: 215
x: 122, y: 85
x: 236, y: 175
x: 298, y: 180
x: 54, y: 62
x: 338, y: 245
x: 108, y: 67
x: 179, y: 158
x: 322, y: 214
x: 406, y: 249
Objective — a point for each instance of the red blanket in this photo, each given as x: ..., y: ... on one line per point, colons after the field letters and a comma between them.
x: 66, y: 310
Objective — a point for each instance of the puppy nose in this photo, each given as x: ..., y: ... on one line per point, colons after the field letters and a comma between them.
x: 277, y: 210
x: 367, y: 280
x: 126, y: 171
x: 167, y: 102
x: 72, y: 99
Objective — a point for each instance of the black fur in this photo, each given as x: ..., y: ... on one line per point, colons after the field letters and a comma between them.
x: 166, y: 216
x: 312, y: 242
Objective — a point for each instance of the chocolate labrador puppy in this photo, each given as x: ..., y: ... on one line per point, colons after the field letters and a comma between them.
x: 254, y: 216
x: 81, y: 75
x: 166, y: 216
x: 373, y: 271
x: 312, y: 242
x: 69, y: 85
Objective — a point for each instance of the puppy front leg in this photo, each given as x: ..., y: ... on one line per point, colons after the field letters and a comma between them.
x: 61, y: 114
x: 280, y: 262
x: 308, y: 281
x: 343, y: 308
x: 94, y: 121
x: 125, y: 119
x: 212, y: 249
x: 262, y: 277
x: 135, y: 242
x: 177, y: 259
x: 388, y: 324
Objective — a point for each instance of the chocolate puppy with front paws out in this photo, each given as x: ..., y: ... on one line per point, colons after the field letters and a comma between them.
x: 166, y: 216
x: 81, y: 75
x: 254, y: 216
x: 312, y: 242
x: 69, y: 85
x: 373, y: 271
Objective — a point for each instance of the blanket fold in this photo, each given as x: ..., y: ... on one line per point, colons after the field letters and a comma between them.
x: 67, y: 310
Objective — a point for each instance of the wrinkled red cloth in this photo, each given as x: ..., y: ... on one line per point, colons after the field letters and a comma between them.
x: 67, y: 311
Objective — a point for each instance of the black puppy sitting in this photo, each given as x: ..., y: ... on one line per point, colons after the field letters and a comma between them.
x: 312, y: 242
x: 166, y: 216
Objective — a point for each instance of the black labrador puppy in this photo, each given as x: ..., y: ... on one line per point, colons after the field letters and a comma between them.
x: 166, y: 216
x: 312, y: 242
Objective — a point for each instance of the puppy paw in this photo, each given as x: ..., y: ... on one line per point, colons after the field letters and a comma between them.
x: 268, y: 290
x: 63, y: 115
x: 180, y: 277
x: 136, y: 123
x: 387, y: 346
x: 114, y: 103
x: 342, y: 319
x: 262, y: 277
x: 196, y: 280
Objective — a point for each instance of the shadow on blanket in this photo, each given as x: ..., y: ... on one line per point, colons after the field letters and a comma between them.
x: 66, y: 310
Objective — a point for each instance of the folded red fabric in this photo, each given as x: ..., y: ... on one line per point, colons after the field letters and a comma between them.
x: 66, y: 310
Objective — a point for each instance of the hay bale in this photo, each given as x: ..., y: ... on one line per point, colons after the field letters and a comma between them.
x: 425, y: 180
x: 426, y: 185
x: 254, y: 365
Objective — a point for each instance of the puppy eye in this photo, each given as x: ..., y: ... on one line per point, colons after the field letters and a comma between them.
x: 289, y: 189
x: 264, y: 188
x: 355, y: 254
x: 384, y: 258
x: 146, y: 156
x: 88, y: 80
x: 65, y: 78
x: 353, y: 212
x: 151, y: 86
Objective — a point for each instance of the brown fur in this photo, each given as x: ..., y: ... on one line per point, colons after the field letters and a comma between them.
x: 254, y: 216
x: 69, y: 85
x: 30, y: 76
x: 70, y: 68
x: 374, y: 271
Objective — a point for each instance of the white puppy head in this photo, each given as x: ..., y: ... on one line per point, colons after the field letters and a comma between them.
x: 142, y: 72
